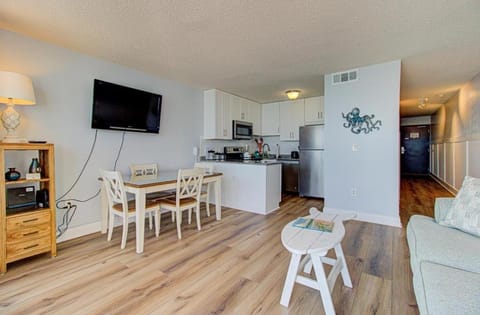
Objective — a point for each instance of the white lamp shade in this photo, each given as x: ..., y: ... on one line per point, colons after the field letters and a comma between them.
x: 17, y: 87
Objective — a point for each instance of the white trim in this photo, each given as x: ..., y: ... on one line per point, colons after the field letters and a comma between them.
x: 444, y: 184
x: 368, y: 217
x: 78, y: 231
x: 467, y: 159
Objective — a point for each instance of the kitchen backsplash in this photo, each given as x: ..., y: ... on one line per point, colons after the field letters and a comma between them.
x: 217, y: 145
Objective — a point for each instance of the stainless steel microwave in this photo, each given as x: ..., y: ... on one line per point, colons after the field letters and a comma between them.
x: 242, y: 130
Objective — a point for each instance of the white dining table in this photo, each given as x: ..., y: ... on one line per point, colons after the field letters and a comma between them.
x: 140, y: 186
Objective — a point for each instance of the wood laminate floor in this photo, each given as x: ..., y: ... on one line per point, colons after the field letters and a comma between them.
x: 417, y: 196
x: 233, y: 266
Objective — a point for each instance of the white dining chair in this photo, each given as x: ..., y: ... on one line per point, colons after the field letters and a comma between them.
x: 205, y: 194
x: 188, y: 189
x: 119, y: 205
x: 145, y: 170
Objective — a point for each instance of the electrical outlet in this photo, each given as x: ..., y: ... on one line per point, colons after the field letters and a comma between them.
x: 354, y: 147
x: 354, y: 192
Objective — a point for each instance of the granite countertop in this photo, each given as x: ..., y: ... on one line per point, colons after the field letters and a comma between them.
x: 247, y: 162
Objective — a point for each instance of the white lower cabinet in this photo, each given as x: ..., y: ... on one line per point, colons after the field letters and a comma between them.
x: 250, y: 187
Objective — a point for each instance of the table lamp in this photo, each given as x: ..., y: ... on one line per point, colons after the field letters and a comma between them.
x: 15, y: 89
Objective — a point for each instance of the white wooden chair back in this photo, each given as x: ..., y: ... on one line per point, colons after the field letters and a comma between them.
x: 189, y: 183
x: 115, y: 189
x: 143, y: 169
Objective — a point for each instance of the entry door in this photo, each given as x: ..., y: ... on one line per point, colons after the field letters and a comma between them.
x: 415, y: 149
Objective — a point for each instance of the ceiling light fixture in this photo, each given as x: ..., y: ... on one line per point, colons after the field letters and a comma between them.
x: 292, y: 94
x: 423, y: 103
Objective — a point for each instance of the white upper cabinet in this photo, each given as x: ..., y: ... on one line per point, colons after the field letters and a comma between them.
x: 292, y: 115
x: 314, y: 110
x: 237, y: 105
x: 255, y: 116
x: 221, y: 108
x: 217, y: 115
x: 270, y: 119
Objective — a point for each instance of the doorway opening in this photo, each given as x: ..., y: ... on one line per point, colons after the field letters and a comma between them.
x: 415, y: 150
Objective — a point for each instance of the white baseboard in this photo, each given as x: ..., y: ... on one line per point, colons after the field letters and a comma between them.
x: 368, y: 217
x: 90, y: 228
x: 78, y: 231
x: 445, y: 185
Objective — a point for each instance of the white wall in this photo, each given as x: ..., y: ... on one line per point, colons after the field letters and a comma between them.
x: 63, y: 83
x: 456, y: 137
x: 373, y: 170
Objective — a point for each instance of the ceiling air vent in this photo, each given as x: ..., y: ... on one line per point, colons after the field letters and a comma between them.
x: 344, y: 77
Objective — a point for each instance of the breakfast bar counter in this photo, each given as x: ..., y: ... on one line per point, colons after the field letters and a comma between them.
x: 250, y: 185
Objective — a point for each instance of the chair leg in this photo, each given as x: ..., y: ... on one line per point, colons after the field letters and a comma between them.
x: 199, y: 227
x: 110, y: 226
x: 158, y: 219
x: 179, y: 221
x: 207, y: 201
x: 125, y: 232
x: 190, y: 216
x: 150, y: 221
x: 173, y: 216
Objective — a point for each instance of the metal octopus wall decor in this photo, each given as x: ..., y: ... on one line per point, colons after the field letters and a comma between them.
x: 358, y: 123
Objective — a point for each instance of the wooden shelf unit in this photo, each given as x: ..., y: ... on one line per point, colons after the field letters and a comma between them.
x: 30, y: 231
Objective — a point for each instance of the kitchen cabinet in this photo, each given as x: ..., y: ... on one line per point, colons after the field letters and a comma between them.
x: 221, y: 108
x: 270, y: 119
x: 255, y: 117
x: 29, y: 230
x: 290, y: 176
x: 292, y: 116
x: 217, y: 115
x: 314, y: 110
x: 237, y: 108
x: 252, y: 187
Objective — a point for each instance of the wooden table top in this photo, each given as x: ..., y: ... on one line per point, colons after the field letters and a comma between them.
x: 163, y: 178
x: 305, y: 241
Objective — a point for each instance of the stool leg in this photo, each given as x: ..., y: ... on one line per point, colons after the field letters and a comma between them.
x: 306, y: 264
x: 290, y: 280
x: 345, y: 274
x: 323, y: 285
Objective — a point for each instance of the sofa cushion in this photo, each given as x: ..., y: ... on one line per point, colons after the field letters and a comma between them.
x: 429, y: 241
x: 464, y: 213
x: 442, y: 207
x: 446, y: 290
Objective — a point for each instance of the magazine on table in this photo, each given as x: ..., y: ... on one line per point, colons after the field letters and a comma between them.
x: 314, y: 224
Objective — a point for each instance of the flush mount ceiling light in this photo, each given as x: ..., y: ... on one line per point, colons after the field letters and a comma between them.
x: 423, y: 103
x: 292, y: 94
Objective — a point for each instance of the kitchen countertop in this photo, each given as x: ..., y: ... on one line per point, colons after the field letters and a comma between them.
x: 248, y: 162
x: 286, y: 159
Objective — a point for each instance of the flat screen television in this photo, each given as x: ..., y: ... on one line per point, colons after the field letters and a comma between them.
x: 118, y: 107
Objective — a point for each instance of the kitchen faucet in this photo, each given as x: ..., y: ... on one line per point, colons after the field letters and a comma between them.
x: 263, y: 149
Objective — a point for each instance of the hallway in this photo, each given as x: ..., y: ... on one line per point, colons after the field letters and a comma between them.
x: 417, y: 196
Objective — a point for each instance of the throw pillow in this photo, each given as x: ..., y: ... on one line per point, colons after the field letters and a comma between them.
x: 465, y: 211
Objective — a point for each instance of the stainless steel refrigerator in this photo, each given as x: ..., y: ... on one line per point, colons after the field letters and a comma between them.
x: 312, y: 140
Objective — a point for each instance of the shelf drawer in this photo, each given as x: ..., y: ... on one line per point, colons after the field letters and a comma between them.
x: 30, y: 233
x: 28, y: 248
x: 27, y: 220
